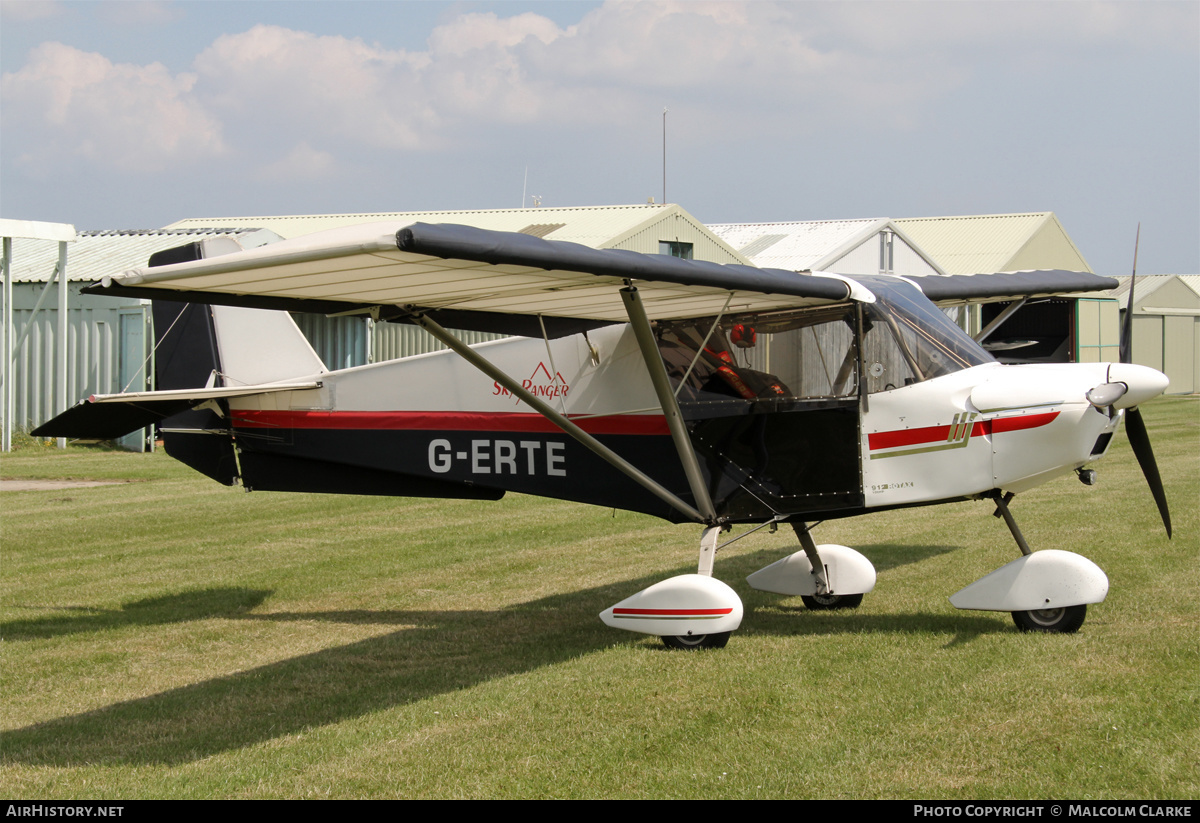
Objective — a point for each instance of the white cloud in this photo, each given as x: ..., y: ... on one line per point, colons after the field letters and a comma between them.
x: 781, y: 67
x: 30, y: 9
x: 481, y: 71
x: 472, y: 32
x: 302, y: 163
x: 75, y: 104
x: 276, y: 80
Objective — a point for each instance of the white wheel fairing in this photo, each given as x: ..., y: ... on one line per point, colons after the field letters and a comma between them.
x: 689, y: 604
x: 1045, y: 580
x: 848, y: 571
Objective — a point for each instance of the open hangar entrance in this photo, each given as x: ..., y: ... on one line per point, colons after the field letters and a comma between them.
x: 1062, y: 329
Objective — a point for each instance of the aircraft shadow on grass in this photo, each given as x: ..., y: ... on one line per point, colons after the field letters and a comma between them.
x: 437, y: 652
x: 199, y: 604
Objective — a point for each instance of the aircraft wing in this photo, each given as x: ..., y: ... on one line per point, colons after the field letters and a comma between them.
x: 461, y: 273
x: 957, y: 289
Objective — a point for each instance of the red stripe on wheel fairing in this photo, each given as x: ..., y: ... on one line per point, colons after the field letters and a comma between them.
x: 670, y: 612
x: 445, y: 421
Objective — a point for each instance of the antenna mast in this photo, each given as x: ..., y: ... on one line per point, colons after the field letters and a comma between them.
x: 665, y: 110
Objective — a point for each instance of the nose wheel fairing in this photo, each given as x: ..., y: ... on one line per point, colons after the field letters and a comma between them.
x: 1045, y: 580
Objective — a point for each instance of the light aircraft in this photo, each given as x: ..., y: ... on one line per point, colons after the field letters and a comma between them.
x: 698, y: 392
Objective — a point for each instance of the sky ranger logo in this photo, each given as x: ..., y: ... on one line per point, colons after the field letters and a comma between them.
x: 539, y: 384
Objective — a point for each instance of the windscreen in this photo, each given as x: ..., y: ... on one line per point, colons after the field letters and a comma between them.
x: 907, y: 339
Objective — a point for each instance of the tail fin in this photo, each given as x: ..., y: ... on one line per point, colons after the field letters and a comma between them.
x: 240, y: 346
x: 214, y: 349
x: 198, y: 345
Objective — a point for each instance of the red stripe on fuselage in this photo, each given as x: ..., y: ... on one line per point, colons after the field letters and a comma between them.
x: 444, y: 421
x: 940, y: 434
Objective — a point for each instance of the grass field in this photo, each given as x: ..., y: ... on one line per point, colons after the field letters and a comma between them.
x: 171, y: 637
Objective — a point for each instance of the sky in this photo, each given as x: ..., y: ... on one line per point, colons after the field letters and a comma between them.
x: 122, y: 115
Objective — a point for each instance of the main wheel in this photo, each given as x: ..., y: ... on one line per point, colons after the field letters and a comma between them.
x: 1065, y: 620
x: 691, y: 642
x: 826, y: 602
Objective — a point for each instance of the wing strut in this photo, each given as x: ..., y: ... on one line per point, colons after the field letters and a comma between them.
x: 666, y: 397
x: 1000, y: 318
x: 608, y: 455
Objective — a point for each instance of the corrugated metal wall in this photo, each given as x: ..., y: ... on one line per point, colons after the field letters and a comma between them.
x: 1097, y: 331
x: 340, y: 342
x: 862, y: 259
x: 93, y: 353
x: 97, y: 354
x: 1170, y: 344
x: 865, y: 258
x: 1181, y: 353
x: 390, y: 341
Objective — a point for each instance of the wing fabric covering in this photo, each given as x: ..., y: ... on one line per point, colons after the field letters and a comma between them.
x: 515, y: 249
x: 464, y: 270
x: 955, y: 289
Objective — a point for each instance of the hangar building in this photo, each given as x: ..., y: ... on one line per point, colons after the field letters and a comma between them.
x: 1166, y: 326
x: 873, y: 246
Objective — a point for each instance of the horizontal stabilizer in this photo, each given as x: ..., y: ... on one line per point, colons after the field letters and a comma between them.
x: 107, y: 416
x: 107, y: 421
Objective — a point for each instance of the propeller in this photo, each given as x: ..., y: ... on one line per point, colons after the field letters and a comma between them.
x: 1135, y: 427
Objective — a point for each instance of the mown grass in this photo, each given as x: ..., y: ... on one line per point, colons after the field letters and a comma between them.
x: 170, y: 637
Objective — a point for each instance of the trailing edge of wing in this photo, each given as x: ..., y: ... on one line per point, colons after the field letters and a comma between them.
x: 462, y: 269
x: 954, y: 289
x: 106, y: 416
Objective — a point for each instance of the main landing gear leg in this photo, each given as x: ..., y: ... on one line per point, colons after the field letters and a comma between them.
x: 708, y: 550
x: 1046, y: 591
x: 824, y: 599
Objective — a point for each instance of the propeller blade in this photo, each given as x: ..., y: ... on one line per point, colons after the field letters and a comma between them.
x: 1135, y: 428
x: 1127, y: 328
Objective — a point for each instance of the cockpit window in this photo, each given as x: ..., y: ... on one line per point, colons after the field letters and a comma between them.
x: 771, y: 360
x: 763, y: 359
